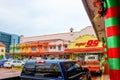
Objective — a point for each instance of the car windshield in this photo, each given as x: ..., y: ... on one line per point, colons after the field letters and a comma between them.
x: 68, y: 66
x: 71, y: 68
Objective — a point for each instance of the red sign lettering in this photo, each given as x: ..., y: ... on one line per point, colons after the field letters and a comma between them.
x: 90, y: 43
x: 80, y: 44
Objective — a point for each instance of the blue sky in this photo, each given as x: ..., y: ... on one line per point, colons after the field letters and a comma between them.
x: 41, y: 17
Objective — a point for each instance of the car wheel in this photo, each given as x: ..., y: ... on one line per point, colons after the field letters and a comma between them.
x: 12, y: 66
x: 22, y: 64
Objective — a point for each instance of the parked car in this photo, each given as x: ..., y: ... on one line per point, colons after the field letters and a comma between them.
x: 53, y: 70
x: 2, y: 62
x: 12, y: 63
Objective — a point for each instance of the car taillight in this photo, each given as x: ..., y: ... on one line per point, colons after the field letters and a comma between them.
x: 40, y: 61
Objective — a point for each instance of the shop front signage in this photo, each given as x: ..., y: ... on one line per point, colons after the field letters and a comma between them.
x: 89, y: 43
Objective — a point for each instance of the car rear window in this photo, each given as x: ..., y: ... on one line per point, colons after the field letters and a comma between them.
x: 42, y: 69
x: 29, y: 68
x: 48, y: 70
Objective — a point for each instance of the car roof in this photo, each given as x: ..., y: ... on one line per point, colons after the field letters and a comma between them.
x: 50, y: 61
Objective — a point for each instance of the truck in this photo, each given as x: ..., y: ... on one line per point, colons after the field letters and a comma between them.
x: 54, y: 70
x: 93, y: 64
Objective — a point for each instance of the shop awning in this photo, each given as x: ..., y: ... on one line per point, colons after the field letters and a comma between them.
x: 84, y: 50
x: 37, y: 53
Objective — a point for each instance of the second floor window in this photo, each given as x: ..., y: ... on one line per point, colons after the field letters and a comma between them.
x: 33, y: 49
x: 59, y: 47
x: 65, y: 47
x: 2, y: 50
x: 45, y: 48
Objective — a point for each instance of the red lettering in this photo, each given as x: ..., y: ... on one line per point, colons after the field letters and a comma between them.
x: 80, y: 44
x: 92, y: 43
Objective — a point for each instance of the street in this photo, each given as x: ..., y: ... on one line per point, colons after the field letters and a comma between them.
x: 9, y: 73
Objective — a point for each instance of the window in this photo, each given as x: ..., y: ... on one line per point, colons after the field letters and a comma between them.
x: 33, y: 49
x: 29, y: 68
x: 72, y: 70
x: 42, y: 69
x: 2, y: 50
x: 59, y: 47
x: 48, y: 70
x: 45, y: 48
x: 50, y: 47
x: 14, y: 61
x: 40, y: 48
x: 65, y: 47
x: 54, y: 47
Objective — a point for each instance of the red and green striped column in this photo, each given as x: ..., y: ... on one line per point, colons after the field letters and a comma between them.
x: 112, y: 26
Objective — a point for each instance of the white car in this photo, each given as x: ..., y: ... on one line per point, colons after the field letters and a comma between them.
x: 12, y: 63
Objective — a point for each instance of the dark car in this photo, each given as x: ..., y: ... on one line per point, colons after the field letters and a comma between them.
x: 2, y: 62
x: 53, y: 70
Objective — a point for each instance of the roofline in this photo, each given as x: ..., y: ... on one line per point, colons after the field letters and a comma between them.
x: 58, y: 33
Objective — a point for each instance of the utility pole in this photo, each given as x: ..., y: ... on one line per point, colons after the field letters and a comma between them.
x: 13, y: 47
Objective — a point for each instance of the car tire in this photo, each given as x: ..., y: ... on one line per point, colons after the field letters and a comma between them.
x: 12, y: 66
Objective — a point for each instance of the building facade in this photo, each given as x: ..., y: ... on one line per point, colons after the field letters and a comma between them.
x: 9, y: 39
x: 49, y: 45
x: 2, y: 51
x: 42, y: 48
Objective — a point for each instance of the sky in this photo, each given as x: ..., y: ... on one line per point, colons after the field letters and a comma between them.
x: 42, y: 17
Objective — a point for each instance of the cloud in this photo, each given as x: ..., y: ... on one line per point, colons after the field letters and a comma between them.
x: 39, y: 17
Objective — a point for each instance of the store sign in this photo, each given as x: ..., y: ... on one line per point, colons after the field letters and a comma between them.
x: 89, y: 43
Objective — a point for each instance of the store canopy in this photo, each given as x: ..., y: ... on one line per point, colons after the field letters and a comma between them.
x: 84, y: 50
x: 97, y: 23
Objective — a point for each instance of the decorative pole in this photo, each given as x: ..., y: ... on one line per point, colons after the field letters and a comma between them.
x: 110, y: 9
x: 112, y: 26
x: 105, y: 56
x: 105, y: 48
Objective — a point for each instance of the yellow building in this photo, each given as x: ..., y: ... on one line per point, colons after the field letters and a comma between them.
x: 85, y: 45
x: 2, y: 50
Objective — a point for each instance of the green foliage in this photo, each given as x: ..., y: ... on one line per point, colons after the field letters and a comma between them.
x: 1, y: 57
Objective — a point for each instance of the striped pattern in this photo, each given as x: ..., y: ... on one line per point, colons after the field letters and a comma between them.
x: 113, y: 31
x: 114, y: 75
x: 116, y: 11
x: 112, y: 25
x: 105, y: 48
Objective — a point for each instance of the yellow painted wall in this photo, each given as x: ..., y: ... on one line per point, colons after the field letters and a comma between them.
x: 82, y: 42
x: 2, y: 53
x: 73, y: 56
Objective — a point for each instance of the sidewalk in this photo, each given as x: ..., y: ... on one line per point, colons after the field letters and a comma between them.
x: 103, y: 77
